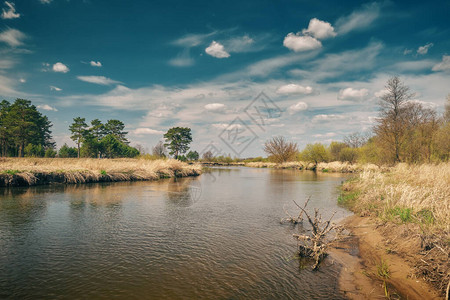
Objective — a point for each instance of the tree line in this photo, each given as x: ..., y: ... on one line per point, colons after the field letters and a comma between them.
x: 405, y: 131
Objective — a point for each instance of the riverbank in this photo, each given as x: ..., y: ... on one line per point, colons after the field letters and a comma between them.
x: 402, y: 230
x: 331, y: 167
x: 39, y: 171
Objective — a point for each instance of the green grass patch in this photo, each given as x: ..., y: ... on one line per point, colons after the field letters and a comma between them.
x: 425, y: 216
x: 404, y: 214
x: 103, y: 172
x: 11, y: 172
x: 348, y: 198
x: 325, y: 170
x: 383, y: 270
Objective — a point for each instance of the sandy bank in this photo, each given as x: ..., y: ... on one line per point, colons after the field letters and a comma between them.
x: 371, y: 246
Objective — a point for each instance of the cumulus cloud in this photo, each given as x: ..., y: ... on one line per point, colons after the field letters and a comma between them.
x: 95, y: 63
x: 319, y: 29
x: 444, y: 65
x: 47, y: 107
x: 144, y: 130
x: 12, y: 37
x: 351, y: 94
x: 299, y: 43
x: 300, y: 106
x: 60, y: 67
x: 217, y: 50
x: 359, y: 19
x: 424, y: 49
x: 102, y: 80
x: 215, y: 107
x: 54, y: 88
x: 290, y: 89
x: 327, y: 118
x: 10, y: 11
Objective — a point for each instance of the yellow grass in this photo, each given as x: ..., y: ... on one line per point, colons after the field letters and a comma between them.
x: 335, y: 166
x: 91, y: 170
x: 420, y: 188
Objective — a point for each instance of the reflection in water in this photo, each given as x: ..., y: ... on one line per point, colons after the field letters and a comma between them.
x: 216, y: 236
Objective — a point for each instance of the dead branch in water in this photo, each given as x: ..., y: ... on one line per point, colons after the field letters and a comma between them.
x: 314, y: 245
x: 295, y: 220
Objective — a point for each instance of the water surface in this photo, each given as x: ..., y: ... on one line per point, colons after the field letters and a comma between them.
x: 217, y: 236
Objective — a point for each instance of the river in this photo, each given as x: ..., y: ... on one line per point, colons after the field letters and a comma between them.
x: 217, y: 236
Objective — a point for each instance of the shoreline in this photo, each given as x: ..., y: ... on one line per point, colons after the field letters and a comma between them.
x: 15, y: 172
x: 361, y: 256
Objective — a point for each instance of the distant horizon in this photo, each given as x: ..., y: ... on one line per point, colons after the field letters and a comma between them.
x: 236, y: 73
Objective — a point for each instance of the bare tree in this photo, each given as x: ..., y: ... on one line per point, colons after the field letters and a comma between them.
x: 356, y: 139
x: 159, y: 150
x: 280, y: 150
x: 207, y: 156
x: 391, y: 122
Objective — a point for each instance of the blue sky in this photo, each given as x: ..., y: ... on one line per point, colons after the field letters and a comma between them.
x: 203, y: 64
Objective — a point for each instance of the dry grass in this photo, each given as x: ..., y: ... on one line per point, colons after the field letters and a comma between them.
x: 72, y: 170
x: 414, y: 200
x: 333, y: 167
x: 424, y: 190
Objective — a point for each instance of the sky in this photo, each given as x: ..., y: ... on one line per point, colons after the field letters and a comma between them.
x: 236, y: 72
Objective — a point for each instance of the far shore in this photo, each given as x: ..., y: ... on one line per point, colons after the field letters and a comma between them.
x: 41, y: 171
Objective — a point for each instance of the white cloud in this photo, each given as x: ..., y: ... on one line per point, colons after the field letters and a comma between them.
x: 319, y: 29
x: 12, y: 37
x: 298, y: 43
x: 325, y: 135
x: 327, y: 118
x: 192, y: 40
x: 407, y: 51
x: 413, y: 65
x: 359, y: 19
x: 47, y: 107
x: 102, y: 80
x: 143, y: 130
x: 300, y: 106
x: 215, y: 107
x: 46, y: 1
x: 290, y: 89
x: 444, y: 65
x: 217, y: 50
x: 424, y: 49
x: 183, y: 59
x: 239, y: 44
x: 227, y: 126
x: 351, y: 94
x: 10, y: 12
x: 95, y: 63
x: 22, y: 80
x: 381, y: 93
x: 54, y: 88
x: 60, y: 67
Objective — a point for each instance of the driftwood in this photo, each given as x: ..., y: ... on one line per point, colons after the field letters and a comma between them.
x: 295, y: 220
x: 314, y: 245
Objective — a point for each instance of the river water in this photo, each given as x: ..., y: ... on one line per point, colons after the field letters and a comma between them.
x: 217, y: 236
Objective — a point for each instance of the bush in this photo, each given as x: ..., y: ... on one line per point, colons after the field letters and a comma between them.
x: 349, y: 154
x: 66, y: 151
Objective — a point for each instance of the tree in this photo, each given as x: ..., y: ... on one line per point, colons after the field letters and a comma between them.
x: 159, y: 150
x: 356, y: 139
x: 349, y: 154
x: 335, y: 149
x: 391, y: 122
x: 314, y: 153
x: 207, y: 156
x: 178, y: 140
x: 66, y: 151
x: 78, y: 130
x: 192, y: 155
x: 280, y: 150
x: 116, y: 127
